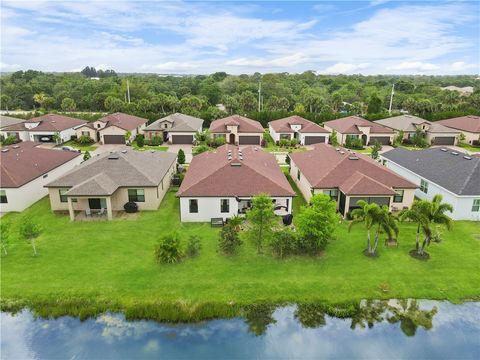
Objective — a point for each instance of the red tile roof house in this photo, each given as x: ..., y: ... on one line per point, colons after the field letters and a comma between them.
x: 238, y: 130
x: 357, y: 127
x: 468, y: 125
x: 26, y: 168
x: 348, y: 177
x: 111, y: 129
x: 221, y: 183
x: 42, y: 128
x: 296, y: 127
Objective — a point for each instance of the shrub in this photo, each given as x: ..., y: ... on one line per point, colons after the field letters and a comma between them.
x: 293, y: 142
x: 9, y: 140
x: 375, y: 149
x: 283, y: 243
x: 229, y: 241
x: 218, y: 141
x: 168, y: 249
x: 353, y: 143
x: 140, y: 140
x: 181, y: 157
x: 284, y: 143
x: 200, y: 149
x: 30, y: 231
x: 261, y: 218
x: 193, y: 246
x: 84, y: 140
x: 86, y: 156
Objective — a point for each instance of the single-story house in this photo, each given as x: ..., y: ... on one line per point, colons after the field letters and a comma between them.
x: 238, y: 130
x: 454, y: 175
x: 43, y: 128
x: 357, y: 127
x: 296, y: 127
x: 435, y: 133
x: 468, y: 125
x: 106, y: 182
x: 111, y: 129
x: 26, y: 168
x: 348, y: 177
x: 221, y: 183
x: 175, y: 128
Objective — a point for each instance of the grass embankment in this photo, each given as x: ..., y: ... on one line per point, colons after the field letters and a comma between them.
x: 471, y: 148
x: 85, y: 268
x: 82, y: 148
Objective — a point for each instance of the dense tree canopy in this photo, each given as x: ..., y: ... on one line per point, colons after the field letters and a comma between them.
x: 97, y: 90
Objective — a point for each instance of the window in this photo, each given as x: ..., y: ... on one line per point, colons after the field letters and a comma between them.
x: 298, y: 175
x: 224, y: 205
x: 424, y: 186
x: 193, y: 206
x: 333, y: 193
x: 45, y: 176
x: 63, y: 196
x: 3, y: 197
x: 285, y: 136
x: 136, y: 195
x: 398, y: 198
x: 98, y: 126
x: 86, y: 133
x: 74, y: 200
x: 475, y: 206
x: 165, y: 126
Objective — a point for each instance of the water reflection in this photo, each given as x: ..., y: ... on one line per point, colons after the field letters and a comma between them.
x: 376, y: 329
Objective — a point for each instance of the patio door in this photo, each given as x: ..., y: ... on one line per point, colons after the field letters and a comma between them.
x: 97, y: 204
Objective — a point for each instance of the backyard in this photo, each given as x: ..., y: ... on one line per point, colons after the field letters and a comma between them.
x: 89, y: 266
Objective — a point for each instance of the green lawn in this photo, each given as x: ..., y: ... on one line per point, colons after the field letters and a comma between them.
x: 83, y: 148
x: 85, y: 266
x: 149, y: 147
x: 469, y: 147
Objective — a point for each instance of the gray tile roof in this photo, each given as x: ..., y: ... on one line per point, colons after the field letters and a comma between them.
x: 409, y: 122
x: 104, y: 174
x: 452, y: 172
x: 181, y: 123
x: 8, y: 120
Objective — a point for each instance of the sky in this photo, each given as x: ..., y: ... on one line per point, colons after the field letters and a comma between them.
x: 179, y: 37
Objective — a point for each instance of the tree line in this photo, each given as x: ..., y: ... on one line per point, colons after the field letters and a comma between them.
x: 316, y: 97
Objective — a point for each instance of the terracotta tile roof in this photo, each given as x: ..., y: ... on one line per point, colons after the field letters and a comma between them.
x: 253, y: 172
x: 123, y: 121
x: 283, y: 125
x: 325, y: 168
x: 470, y: 123
x: 24, y: 162
x: 245, y: 125
x: 350, y: 124
x: 361, y: 184
x: 48, y: 122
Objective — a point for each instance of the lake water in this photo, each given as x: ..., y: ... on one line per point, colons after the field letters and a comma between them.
x: 413, y: 330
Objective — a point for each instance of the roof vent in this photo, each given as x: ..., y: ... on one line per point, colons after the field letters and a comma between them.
x: 151, y: 151
x: 353, y: 158
x: 229, y: 157
x: 236, y: 164
x: 113, y: 157
x: 466, y: 157
x: 444, y: 150
x: 5, y: 150
x: 337, y: 149
x: 342, y: 152
x: 454, y: 153
x: 124, y: 151
x: 15, y: 146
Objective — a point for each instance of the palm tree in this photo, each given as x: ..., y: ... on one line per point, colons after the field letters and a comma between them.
x: 416, y: 214
x: 385, y: 222
x: 366, y: 214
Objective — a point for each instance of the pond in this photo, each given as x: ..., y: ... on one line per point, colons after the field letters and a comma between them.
x: 381, y: 330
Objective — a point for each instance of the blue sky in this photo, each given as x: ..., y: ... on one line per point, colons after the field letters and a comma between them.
x: 371, y: 37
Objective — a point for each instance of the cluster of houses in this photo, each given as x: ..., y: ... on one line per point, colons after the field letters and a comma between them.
x: 219, y: 184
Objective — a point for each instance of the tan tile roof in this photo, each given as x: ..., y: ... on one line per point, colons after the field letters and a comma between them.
x: 181, y: 123
x: 9, y: 121
x: 123, y: 121
x: 325, y: 168
x: 245, y: 125
x: 24, y: 162
x: 349, y: 125
x: 48, y: 122
x: 253, y: 172
x: 470, y: 123
x: 283, y: 125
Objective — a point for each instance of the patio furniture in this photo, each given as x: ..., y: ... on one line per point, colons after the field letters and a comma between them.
x: 102, y: 212
x: 88, y: 212
x: 216, y: 222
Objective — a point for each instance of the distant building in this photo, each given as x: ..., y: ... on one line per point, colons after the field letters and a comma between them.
x: 464, y: 91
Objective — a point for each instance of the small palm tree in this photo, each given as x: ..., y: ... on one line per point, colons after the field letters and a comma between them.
x: 385, y: 222
x: 366, y: 214
x: 416, y: 214
x: 236, y: 221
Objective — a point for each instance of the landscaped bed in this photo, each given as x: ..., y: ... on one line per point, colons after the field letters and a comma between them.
x: 82, y: 148
x: 84, y: 268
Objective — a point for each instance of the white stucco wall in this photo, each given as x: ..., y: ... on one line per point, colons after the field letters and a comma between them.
x: 304, y: 186
x: 209, y: 207
x: 21, y: 198
x: 462, y: 205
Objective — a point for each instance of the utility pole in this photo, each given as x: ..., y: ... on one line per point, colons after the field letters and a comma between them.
x: 259, y: 96
x: 391, y: 99
x: 128, y: 91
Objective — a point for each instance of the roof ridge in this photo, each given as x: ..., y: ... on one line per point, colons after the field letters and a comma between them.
x: 333, y: 168
x: 269, y: 179
x: 138, y: 169
x: 95, y: 179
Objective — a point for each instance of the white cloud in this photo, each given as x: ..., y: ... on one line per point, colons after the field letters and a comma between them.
x: 415, y: 65
x: 285, y: 61
x: 173, y: 66
x: 463, y: 66
x: 343, y: 68
x: 9, y: 67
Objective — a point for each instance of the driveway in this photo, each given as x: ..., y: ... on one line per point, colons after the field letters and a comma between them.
x: 187, y: 149
x: 107, y: 148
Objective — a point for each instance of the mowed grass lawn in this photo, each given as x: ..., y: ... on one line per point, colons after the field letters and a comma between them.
x: 113, y: 262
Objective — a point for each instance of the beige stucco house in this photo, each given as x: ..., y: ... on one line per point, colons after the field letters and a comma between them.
x: 175, y: 128
x: 468, y: 125
x: 104, y: 184
x: 238, y: 130
x: 348, y: 177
